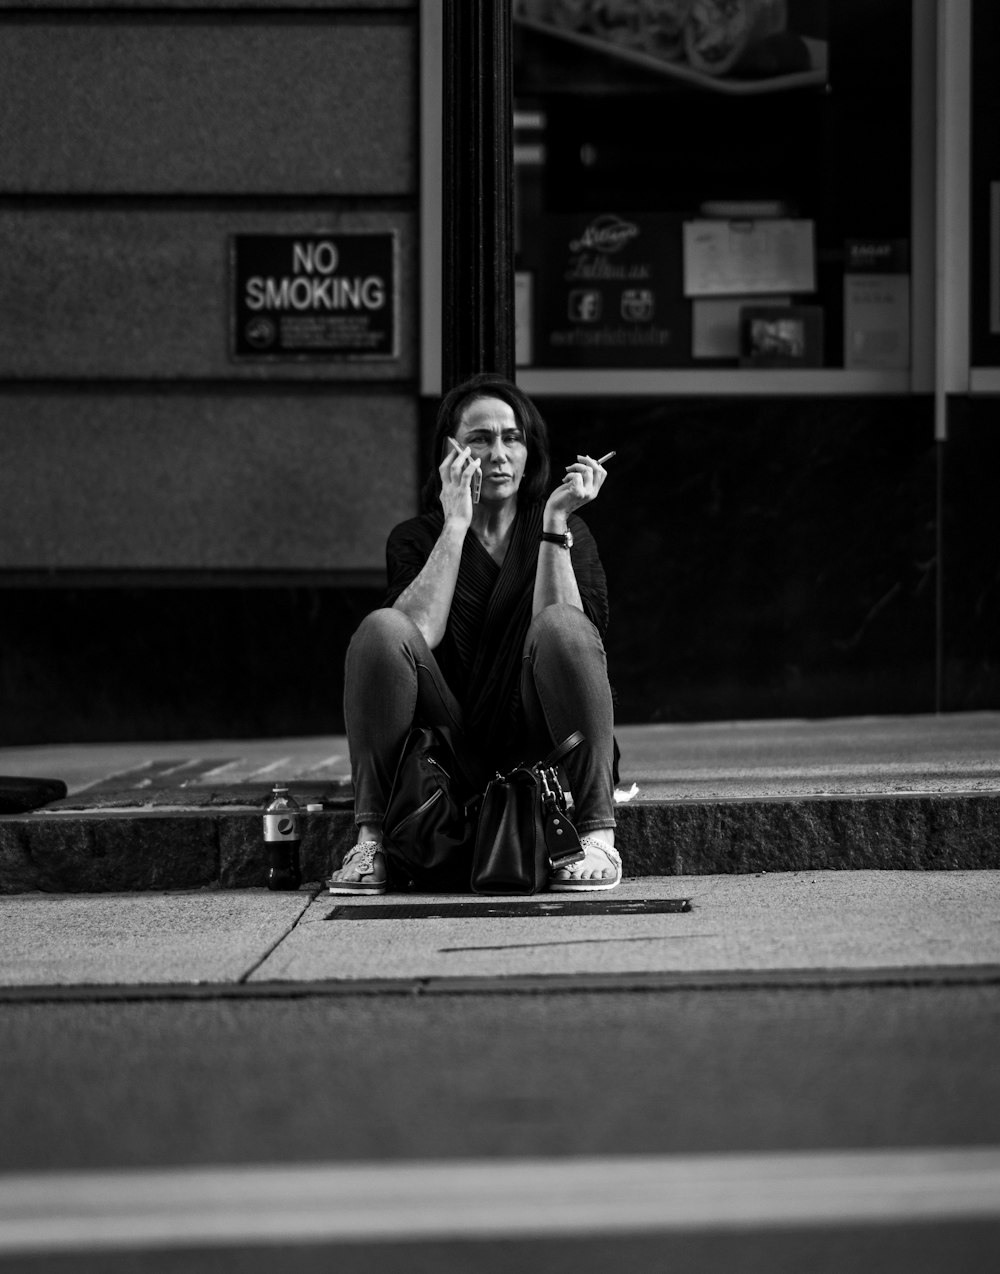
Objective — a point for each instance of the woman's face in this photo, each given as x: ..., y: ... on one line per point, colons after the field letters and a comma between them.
x: 489, y: 429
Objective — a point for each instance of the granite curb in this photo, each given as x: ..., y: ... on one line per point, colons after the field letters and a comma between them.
x: 102, y: 850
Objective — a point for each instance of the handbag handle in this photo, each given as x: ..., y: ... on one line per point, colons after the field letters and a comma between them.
x: 568, y: 744
x: 561, y: 838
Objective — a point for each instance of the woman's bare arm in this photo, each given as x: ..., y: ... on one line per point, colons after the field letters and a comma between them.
x: 427, y: 599
x: 555, y: 579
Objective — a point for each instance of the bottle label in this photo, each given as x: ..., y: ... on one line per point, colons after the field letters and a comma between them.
x: 281, y: 826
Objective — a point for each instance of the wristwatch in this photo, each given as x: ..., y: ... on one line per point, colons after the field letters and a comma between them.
x: 565, y: 540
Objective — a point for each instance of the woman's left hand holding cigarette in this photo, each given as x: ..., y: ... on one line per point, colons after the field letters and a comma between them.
x: 581, y: 485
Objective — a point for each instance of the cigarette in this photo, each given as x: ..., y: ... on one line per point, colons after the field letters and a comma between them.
x: 610, y: 456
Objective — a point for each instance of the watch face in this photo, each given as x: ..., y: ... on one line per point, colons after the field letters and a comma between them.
x: 569, y: 539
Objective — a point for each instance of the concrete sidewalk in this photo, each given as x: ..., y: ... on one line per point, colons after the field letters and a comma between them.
x: 789, y: 927
x: 890, y: 793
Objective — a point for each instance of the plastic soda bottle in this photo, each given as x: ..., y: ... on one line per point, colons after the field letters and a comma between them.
x: 282, y: 838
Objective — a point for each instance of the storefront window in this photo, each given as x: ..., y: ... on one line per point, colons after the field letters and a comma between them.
x: 713, y: 183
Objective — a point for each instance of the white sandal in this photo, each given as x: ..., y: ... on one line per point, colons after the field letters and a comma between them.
x: 362, y: 858
x: 576, y: 884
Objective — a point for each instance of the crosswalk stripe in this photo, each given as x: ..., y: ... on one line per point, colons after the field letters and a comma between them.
x: 479, y: 1199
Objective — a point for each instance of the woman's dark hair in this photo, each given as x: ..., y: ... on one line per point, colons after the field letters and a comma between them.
x: 535, y: 483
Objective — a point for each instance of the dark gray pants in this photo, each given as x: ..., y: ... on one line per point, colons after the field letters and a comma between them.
x: 393, y: 682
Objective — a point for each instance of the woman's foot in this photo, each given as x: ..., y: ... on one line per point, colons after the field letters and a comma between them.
x: 600, y: 867
x: 362, y: 871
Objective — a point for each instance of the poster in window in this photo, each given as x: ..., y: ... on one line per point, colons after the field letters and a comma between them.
x: 608, y: 292
x: 877, y: 304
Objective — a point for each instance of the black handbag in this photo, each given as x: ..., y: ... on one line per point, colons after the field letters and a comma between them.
x: 523, y: 832
x: 430, y: 821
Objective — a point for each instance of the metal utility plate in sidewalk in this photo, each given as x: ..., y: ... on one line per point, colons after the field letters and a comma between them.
x: 522, y: 908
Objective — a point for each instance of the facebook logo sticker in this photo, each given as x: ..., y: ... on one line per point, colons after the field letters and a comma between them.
x: 584, y: 305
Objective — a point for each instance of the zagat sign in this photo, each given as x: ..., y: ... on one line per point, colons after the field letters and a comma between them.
x: 314, y: 296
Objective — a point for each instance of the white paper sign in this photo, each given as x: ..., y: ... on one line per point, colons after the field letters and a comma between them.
x: 743, y: 258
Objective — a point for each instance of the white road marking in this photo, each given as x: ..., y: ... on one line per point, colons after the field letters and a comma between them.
x: 480, y: 1199
x: 332, y: 764
x: 227, y: 770
x: 279, y: 767
x: 292, y: 769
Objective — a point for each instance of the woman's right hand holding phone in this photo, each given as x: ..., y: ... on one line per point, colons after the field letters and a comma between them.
x: 456, y: 470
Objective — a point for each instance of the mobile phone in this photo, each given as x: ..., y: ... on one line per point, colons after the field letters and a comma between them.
x: 477, y: 476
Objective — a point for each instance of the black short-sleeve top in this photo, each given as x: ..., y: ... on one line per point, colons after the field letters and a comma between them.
x: 480, y: 653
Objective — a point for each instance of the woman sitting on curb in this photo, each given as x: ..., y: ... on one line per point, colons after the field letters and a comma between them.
x: 493, y: 625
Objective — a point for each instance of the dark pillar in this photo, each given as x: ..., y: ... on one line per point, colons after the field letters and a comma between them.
x: 477, y: 321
